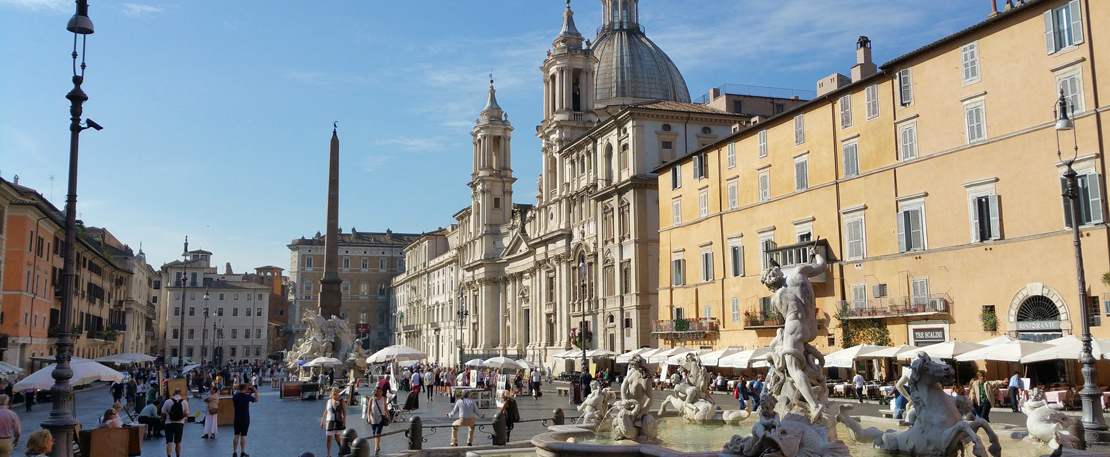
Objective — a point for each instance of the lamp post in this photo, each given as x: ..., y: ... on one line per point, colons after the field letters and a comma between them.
x: 582, y: 300
x: 181, y: 331
x: 204, y: 327
x: 61, y: 422
x: 1093, y: 422
x: 462, y: 314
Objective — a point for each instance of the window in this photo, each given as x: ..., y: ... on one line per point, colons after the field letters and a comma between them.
x: 985, y: 224
x: 799, y: 130
x: 975, y: 121
x: 176, y: 309
x: 764, y: 185
x: 676, y: 211
x: 190, y: 334
x: 678, y: 278
x: 846, y: 111
x: 220, y: 312
x: 668, y: 145
x: 735, y: 309
x: 730, y: 154
x: 872, y: 96
x: 308, y: 261
x: 706, y: 266
x: 381, y: 263
x: 1090, y: 200
x: 919, y: 289
x: 676, y: 176
x: 364, y: 288
x: 801, y: 173
x: 905, y: 87
x: 907, y: 140
x: 381, y: 289
x: 1063, y: 26
x: 762, y: 144
x: 766, y: 244
x: 701, y: 166
x: 707, y: 311
x: 233, y: 348
x: 969, y: 56
x: 626, y: 277
x: 703, y: 203
x: 911, y: 229
x: 257, y: 334
x: 222, y: 295
x: 175, y: 334
x: 192, y: 311
x: 851, y: 159
x: 248, y: 312
x: 736, y: 259
x: 733, y: 197
x: 234, y: 333
x: 365, y: 263
x: 859, y: 296
x: 624, y: 157
x: 854, y: 229
x: 234, y: 312
x: 346, y: 263
x: 1069, y: 81
x: 610, y: 280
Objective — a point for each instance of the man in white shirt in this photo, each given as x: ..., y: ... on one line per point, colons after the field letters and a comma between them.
x: 415, y: 379
x: 1015, y: 392
x: 468, y: 413
x: 536, y: 384
x: 175, y: 410
x: 858, y: 382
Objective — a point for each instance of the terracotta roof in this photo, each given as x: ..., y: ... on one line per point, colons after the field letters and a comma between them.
x: 388, y: 238
x: 666, y: 105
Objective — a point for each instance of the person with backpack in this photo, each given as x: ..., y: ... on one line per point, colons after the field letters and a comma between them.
x: 756, y: 391
x: 242, y: 400
x: 741, y: 393
x: 175, y: 410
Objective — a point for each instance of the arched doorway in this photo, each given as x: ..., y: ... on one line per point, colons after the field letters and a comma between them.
x: 1040, y: 316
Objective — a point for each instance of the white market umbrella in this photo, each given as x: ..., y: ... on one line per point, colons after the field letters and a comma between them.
x: 396, y: 353
x: 846, y: 358
x: 627, y: 356
x: 189, y: 368
x: 595, y: 353
x: 944, y: 350
x: 888, y: 353
x: 501, y: 362
x: 325, y: 362
x: 474, y: 363
x: 526, y: 365
x: 677, y: 359
x: 1067, y: 348
x: 571, y: 354
x: 7, y: 369
x: 662, y: 355
x: 997, y: 340
x: 84, y: 371
x: 744, y: 359
x: 1004, y: 352
x: 711, y: 359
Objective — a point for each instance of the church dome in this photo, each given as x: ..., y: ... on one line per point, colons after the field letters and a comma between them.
x: 629, y: 65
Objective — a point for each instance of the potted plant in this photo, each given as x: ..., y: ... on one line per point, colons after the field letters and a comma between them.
x: 989, y: 318
x: 574, y: 340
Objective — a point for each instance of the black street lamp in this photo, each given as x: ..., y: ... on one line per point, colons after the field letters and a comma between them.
x: 462, y: 314
x: 582, y: 300
x: 61, y: 422
x: 181, y: 331
x: 204, y: 327
x: 1093, y: 422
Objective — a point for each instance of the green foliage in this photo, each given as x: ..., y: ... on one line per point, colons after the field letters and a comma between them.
x: 1106, y: 278
x: 989, y: 318
x: 859, y: 331
x: 681, y: 325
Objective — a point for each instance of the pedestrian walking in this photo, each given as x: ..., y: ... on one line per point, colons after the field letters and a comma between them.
x: 174, y: 410
x: 378, y: 417
x: 9, y: 428
x: 429, y: 383
x: 980, y: 396
x: 510, y: 412
x: 536, y: 384
x: 742, y: 392
x: 40, y: 443
x: 1016, y: 387
x: 29, y: 398
x: 212, y: 407
x: 858, y: 382
x: 334, y: 419
x: 468, y: 413
x: 242, y: 400
x: 756, y: 391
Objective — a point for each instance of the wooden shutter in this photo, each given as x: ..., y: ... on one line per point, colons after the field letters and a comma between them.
x: 905, y: 83
x: 1076, y: 22
x: 996, y: 220
x: 902, y: 244
x: 973, y: 210
x: 1094, y: 191
x: 1067, y: 202
x: 800, y: 175
x: 697, y: 167
x: 915, y: 229
x: 1049, y: 32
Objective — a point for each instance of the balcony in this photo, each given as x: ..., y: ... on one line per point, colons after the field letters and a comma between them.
x: 791, y: 257
x: 760, y: 319
x: 408, y: 328
x: 683, y: 329
x: 909, y: 308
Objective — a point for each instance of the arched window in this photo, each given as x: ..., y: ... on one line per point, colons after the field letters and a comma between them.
x: 364, y: 288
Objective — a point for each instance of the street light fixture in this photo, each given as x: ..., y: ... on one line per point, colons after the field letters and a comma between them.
x: 181, y: 331
x: 462, y: 314
x: 61, y: 422
x: 204, y: 327
x: 1093, y: 422
x: 582, y: 300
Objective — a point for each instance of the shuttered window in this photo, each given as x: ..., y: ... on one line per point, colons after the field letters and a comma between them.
x: 851, y: 160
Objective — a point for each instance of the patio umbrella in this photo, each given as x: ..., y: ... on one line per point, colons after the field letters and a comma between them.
x: 84, y: 371
x: 997, y: 340
x: 325, y: 362
x: 744, y: 359
x: 846, y: 358
x: 1068, y: 348
x: 677, y: 359
x: 571, y: 354
x: 396, y: 353
x: 474, y: 363
x: 893, y: 352
x: 1004, y: 352
x: 944, y: 350
x: 663, y: 355
x: 501, y: 362
x: 7, y: 369
x: 711, y: 359
x: 593, y: 353
x: 526, y: 365
x: 627, y: 356
x: 189, y: 368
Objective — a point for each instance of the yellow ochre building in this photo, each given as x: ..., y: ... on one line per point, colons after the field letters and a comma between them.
x: 932, y: 185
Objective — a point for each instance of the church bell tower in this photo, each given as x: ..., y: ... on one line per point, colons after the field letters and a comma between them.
x: 492, y: 180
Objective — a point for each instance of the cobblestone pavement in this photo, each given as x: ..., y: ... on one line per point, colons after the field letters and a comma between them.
x: 290, y: 427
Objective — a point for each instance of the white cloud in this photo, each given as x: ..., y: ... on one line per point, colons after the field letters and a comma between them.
x: 371, y: 163
x: 39, y: 5
x: 137, y: 10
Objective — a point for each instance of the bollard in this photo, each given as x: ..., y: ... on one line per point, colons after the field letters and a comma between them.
x: 500, y: 430
x: 558, y: 417
x: 361, y: 447
x: 308, y: 454
x: 416, y: 433
x: 345, y: 439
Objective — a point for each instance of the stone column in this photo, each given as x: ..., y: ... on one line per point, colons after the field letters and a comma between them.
x: 558, y: 90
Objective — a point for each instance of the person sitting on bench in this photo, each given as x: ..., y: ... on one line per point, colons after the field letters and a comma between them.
x: 149, y: 417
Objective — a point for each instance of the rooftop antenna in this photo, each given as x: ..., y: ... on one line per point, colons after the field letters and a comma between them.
x: 51, y: 188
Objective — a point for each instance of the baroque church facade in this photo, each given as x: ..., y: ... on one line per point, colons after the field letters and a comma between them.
x: 585, y: 254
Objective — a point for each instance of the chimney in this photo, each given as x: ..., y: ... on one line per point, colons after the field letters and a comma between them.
x: 714, y: 93
x: 994, y: 8
x: 16, y: 180
x: 864, y: 66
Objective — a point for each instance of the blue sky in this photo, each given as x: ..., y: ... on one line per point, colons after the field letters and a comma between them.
x: 218, y: 114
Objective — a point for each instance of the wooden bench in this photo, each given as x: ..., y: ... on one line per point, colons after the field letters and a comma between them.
x: 562, y: 391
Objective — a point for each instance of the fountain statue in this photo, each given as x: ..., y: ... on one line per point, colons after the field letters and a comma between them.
x: 323, y: 338
x: 596, y: 404
x: 938, y: 429
x: 689, y: 397
x: 1047, y: 425
x: 359, y: 355
x: 632, y: 419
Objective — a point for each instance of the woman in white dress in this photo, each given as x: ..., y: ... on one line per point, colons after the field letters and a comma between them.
x: 334, y: 419
x: 212, y: 405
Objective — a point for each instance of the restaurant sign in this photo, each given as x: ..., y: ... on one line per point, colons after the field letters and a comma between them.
x: 1037, y: 325
x: 928, y: 335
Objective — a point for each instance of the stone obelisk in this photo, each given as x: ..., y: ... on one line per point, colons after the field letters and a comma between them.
x: 329, y: 285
